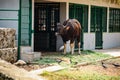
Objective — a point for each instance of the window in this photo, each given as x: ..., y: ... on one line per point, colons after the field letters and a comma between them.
x: 98, y: 18
x: 114, y: 20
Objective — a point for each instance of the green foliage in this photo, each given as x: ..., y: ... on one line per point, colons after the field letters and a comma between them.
x: 75, y: 74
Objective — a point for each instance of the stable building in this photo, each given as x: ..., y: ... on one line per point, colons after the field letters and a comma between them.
x: 35, y: 22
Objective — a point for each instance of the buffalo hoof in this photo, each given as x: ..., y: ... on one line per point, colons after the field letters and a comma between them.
x: 79, y: 53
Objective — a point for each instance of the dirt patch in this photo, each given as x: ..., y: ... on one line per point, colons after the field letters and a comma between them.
x: 107, y: 68
x: 111, y: 71
x: 30, y: 67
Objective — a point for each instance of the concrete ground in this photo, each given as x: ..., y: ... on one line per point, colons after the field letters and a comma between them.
x: 112, y: 51
x: 14, y: 72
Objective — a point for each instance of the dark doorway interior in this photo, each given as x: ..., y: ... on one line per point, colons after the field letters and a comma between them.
x: 45, y: 21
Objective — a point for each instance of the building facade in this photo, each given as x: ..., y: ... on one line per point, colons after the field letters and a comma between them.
x: 35, y: 22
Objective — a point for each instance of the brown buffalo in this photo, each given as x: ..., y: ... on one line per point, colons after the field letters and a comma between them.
x: 70, y: 30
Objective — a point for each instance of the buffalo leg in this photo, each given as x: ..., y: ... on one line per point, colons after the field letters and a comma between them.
x: 64, y: 48
x: 79, y: 52
x: 72, y: 47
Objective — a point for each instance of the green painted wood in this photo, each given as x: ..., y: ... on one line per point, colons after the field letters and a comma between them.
x: 9, y: 19
x: 8, y: 10
x: 19, y: 31
x: 94, y: 17
x: 104, y: 19
x: 26, y: 22
x: 114, y: 20
x: 30, y: 24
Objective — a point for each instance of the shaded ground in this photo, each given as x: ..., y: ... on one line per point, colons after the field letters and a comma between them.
x: 50, y: 59
x: 30, y: 67
x: 109, y: 69
x: 94, y: 71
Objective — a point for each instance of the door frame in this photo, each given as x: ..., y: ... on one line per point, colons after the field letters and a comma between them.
x: 95, y: 27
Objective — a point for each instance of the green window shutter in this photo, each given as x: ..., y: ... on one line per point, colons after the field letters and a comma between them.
x: 104, y: 19
x: 26, y: 22
x: 72, y: 11
x: 92, y: 27
x: 114, y: 20
x: 98, y: 13
x: 85, y: 18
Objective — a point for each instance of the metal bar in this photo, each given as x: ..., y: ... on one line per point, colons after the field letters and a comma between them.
x: 19, y: 31
x: 30, y: 21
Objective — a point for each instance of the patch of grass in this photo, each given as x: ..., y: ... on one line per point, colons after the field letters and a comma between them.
x: 46, y: 60
x: 78, y: 75
x: 88, y: 52
x: 86, y: 56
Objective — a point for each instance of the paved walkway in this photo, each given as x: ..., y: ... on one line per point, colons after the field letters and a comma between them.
x: 113, y: 51
x: 49, y: 69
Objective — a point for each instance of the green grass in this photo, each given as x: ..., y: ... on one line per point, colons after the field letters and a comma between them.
x: 78, y: 75
x: 86, y: 56
x: 68, y: 74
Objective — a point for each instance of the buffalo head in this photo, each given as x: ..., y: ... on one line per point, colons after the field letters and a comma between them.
x: 60, y: 29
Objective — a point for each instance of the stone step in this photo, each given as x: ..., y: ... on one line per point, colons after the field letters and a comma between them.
x: 26, y: 49
x: 30, y: 56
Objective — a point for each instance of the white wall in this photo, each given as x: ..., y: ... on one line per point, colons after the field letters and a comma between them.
x: 32, y: 46
x: 63, y: 16
x: 89, y: 41
x: 64, y: 12
x: 111, y: 40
